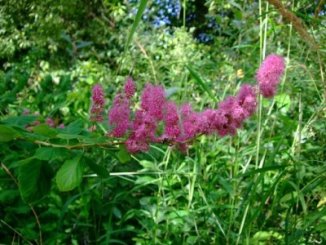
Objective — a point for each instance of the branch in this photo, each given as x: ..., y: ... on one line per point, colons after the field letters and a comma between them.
x: 296, y: 22
x: 4, y: 167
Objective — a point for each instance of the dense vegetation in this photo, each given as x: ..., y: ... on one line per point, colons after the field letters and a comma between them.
x: 68, y: 178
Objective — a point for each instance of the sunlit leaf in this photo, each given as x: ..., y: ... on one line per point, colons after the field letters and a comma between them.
x: 69, y: 175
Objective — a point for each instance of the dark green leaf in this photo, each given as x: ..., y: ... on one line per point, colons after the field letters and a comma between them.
x: 7, y: 133
x: 73, y: 128
x: 98, y: 169
x: 20, y: 121
x: 48, y: 153
x: 34, y: 180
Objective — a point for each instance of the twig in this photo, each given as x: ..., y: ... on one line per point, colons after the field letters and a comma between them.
x: 30, y: 206
x: 319, y: 7
x: 15, y: 231
x: 142, y: 49
x: 38, y: 142
x: 296, y: 22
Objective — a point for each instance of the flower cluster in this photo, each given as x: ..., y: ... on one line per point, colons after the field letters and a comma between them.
x: 161, y: 120
x: 98, y: 102
x: 119, y: 114
x: 269, y: 74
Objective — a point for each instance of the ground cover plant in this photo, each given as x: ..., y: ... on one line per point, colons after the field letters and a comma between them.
x: 162, y: 122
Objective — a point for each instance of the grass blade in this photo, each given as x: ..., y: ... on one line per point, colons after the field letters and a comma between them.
x: 140, y: 11
x: 201, y: 82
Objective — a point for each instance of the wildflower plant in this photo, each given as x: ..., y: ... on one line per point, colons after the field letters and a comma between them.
x: 181, y: 124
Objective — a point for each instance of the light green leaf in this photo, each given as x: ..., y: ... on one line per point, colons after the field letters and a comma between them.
x: 123, y: 155
x: 45, y: 130
x: 148, y: 165
x: 69, y: 175
x: 283, y: 101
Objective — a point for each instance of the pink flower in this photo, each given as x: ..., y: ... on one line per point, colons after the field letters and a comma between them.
x: 190, y: 123
x: 133, y: 145
x: 119, y: 115
x: 269, y: 74
x: 208, y: 121
x: 247, y: 98
x: 230, y: 116
x: 152, y: 100
x: 26, y: 111
x: 130, y: 88
x: 50, y: 122
x: 143, y: 132
x: 98, y: 102
x: 171, y: 120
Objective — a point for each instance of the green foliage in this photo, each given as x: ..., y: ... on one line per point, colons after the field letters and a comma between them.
x: 34, y: 179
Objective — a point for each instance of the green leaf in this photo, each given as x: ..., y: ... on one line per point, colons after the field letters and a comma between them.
x: 69, y: 175
x: 48, y: 153
x: 123, y: 155
x: 148, y: 165
x: 45, y: 130
x: 7, y: 133
x: 283, y: 101
x: 146, y: 180
x: 20, y: 121
x: 141, y: 9
x: 201, y: 82
x: 73, y: 128
x: 34, y: 180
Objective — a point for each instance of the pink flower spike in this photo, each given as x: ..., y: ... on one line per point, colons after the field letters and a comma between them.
x: 152, y: 100
x: 171, y: 120
x: 247, y: 99
x: 269, y: 74
x: 119, y: 115
x: 190, y: 123
x: 98, y: 102
x: 130, y: 88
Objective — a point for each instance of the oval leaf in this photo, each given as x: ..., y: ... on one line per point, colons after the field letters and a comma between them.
x: 69, y: 175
